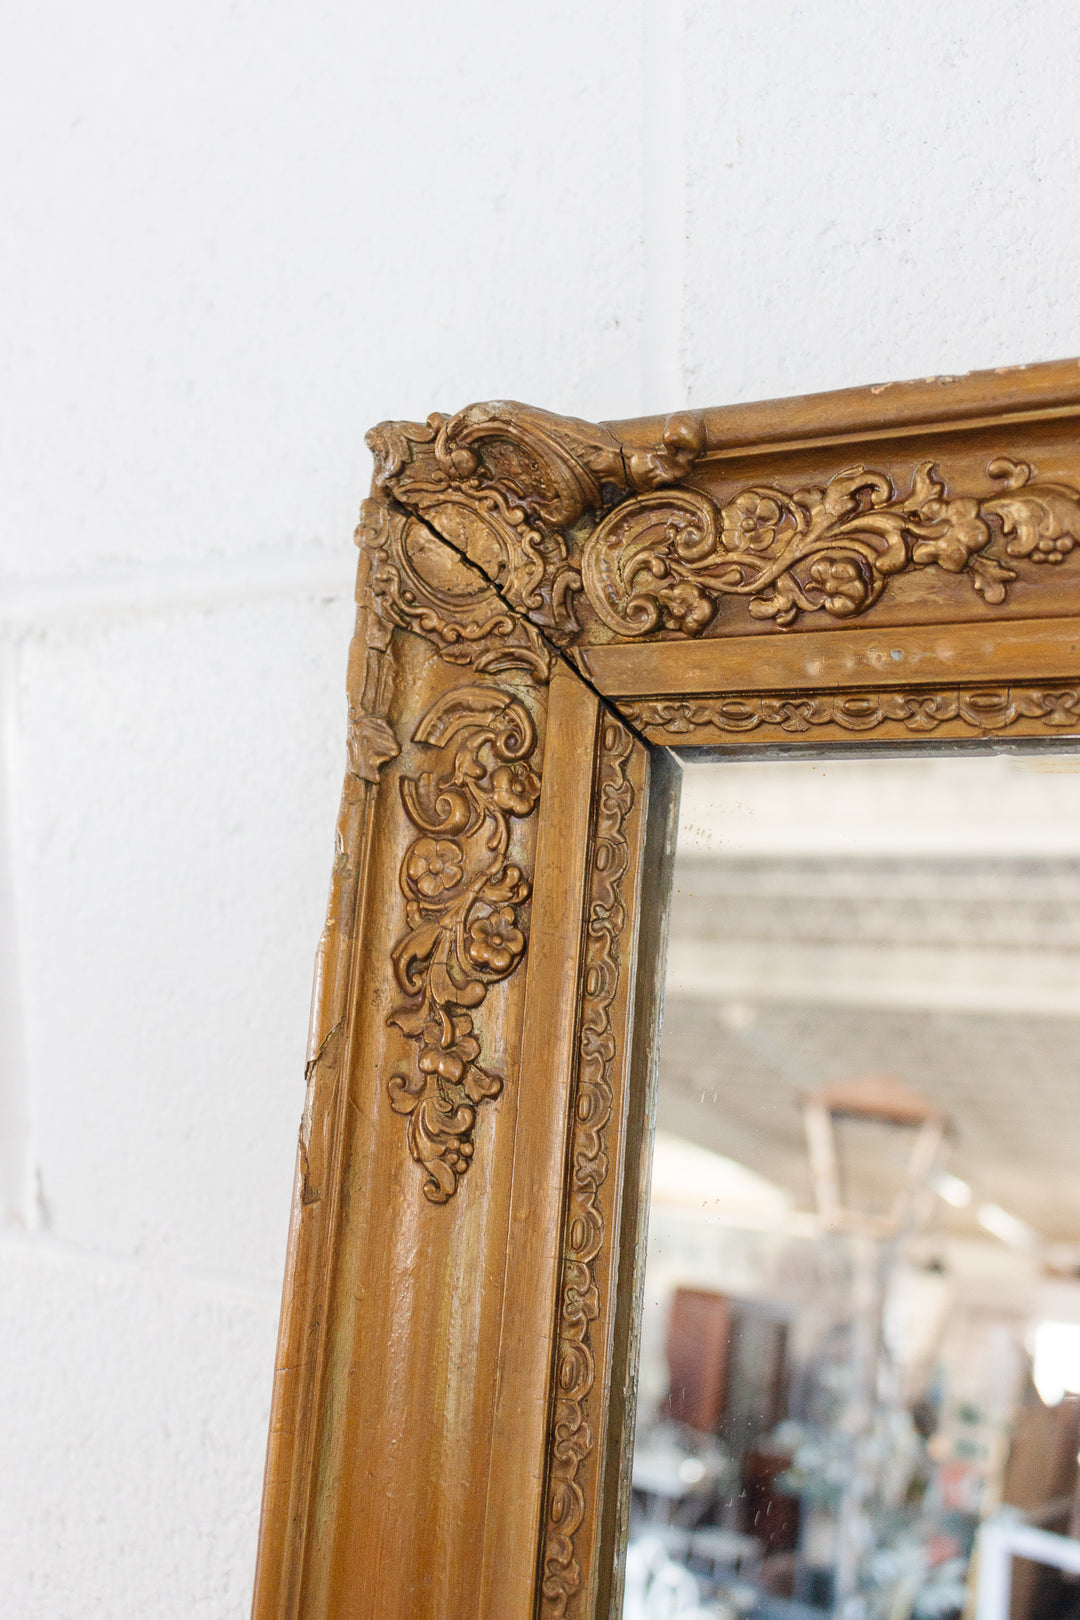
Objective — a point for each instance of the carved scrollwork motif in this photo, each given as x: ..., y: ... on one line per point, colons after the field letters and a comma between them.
x: 506, y: 483
x: 548, y: 508
x: 464, y: 914
x: 982, y: 708
x: 421, y: 584
x: 573, y: 1433
x: 665, y: 561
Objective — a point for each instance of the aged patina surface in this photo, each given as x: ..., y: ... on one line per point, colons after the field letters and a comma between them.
x: 545, y: 607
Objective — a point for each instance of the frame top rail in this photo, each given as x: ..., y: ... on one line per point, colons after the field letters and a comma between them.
x: 1046, y: 388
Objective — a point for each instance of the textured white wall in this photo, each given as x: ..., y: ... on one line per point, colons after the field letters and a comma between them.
x: 237, y: 234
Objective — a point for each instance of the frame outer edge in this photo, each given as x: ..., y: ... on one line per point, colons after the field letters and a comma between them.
x: 299, y: 1362
x: 876, y: 407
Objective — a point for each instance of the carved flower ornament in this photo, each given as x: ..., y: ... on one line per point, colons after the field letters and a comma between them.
x: 434, y: 866
x: 549, y: 508
x: 515, y: 788
x: 494, y: 941
x: 464, y: 924
x: 665, y: 560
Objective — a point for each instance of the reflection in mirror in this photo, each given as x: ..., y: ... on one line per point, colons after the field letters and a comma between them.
x: 859, y: 1392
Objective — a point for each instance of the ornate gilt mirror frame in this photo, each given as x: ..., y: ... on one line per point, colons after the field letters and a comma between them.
x: 546, y: 610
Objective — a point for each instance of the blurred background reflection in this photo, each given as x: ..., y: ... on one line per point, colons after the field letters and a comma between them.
x: 859, y: 1392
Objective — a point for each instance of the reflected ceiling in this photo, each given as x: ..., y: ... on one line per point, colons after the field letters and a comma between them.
x: 958, y: 973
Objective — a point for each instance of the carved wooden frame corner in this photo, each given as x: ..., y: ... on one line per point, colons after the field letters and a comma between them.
x: 547, y: 608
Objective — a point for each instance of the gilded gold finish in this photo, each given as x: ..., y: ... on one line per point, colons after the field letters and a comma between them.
x: 464, y: 903
x: 545, y: 607
x: 574, y: 1428
x: 667, y: 561
x: 923, y: 710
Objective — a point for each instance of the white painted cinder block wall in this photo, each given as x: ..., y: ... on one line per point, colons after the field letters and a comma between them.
x: 237, y: 234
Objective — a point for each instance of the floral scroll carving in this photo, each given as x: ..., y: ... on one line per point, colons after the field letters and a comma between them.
x: 464, y: 914
x: 463, y: 899
x: 552, y: 510
x: 664, y: 562
x: 995, y: 708
x: 573, y: 1433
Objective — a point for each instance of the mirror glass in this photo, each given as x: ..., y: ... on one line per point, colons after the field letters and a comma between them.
x: 859, y: 1389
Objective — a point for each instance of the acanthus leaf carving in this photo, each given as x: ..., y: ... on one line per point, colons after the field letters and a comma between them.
x: 465, y: 924
x: 370, y: 739
x: 371, y: 744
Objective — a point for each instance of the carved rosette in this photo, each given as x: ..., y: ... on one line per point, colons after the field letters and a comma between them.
x: 464, y: 909
x: 982, y: 708
x: 573, y: 1433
